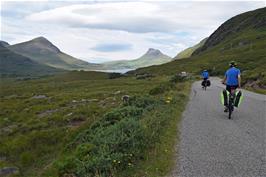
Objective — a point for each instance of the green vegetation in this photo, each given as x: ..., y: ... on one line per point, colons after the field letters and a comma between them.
x: 188, y: 52
x: 51, y: 126
x: 13, y: 64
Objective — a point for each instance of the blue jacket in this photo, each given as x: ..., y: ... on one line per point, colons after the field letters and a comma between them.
x: 232, y: 76
x: 205, y: 75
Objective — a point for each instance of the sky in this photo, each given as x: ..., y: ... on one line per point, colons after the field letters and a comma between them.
x: 98, y: 31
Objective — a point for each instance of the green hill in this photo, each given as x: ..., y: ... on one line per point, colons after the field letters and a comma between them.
x: 43, y: 51
x: 151, y: 57
x: 188, y: 52
x: 12, y: 64
x: 241, y: 38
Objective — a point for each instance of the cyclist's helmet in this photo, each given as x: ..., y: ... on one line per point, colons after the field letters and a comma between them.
x: 232, y: 64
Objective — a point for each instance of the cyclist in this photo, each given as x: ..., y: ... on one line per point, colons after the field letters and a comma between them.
x: 232, y: 79
x: 205, y: 76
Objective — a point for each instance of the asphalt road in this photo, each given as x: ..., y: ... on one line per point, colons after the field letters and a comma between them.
x: 211, y: 145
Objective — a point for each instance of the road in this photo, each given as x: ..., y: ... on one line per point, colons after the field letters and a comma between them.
x: 211, y: 145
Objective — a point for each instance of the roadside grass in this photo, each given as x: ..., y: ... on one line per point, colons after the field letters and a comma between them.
x: 35, y: 132
x: 135, y: 139
x: 161, y: 157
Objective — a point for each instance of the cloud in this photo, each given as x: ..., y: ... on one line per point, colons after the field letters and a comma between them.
x: 142, y: 17
x: 112, y: 47
x: 105, y: 31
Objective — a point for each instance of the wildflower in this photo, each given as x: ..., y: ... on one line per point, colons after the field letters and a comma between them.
x: 167, y: 101
x: 114, y: 161
x: 118, y: 161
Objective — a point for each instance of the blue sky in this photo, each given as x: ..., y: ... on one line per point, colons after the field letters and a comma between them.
x: 98, y: 31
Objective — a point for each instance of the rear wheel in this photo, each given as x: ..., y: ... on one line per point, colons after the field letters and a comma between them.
x: 231, y: 105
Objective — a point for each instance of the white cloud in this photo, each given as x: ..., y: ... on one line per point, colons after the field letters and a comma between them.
x: 77, y: 28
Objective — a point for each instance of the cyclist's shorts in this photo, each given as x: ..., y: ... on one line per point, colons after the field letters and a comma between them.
x: 229, y: 87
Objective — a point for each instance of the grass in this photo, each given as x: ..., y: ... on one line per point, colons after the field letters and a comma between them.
x: 37, y: 131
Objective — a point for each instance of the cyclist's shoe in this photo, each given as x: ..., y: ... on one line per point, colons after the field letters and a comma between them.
x: 226, y: 109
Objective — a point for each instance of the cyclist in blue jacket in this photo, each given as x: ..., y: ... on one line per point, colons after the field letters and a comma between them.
x: 232, y: 79
x: 205, y: 76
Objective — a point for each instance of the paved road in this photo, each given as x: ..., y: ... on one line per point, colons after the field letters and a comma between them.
x: 214, y: 146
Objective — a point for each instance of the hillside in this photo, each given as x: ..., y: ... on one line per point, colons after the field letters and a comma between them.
x: 241, y: 38
x: 188, y: 52
x: 151, y: 57
x: 12, y: 64
x: 43, y: 51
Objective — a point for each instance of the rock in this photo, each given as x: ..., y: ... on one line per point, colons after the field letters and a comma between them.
x: 69, y: 114
x: 8, y: 171
x: 39, y: 97
x: 125, y: 98
x: 117, y: 92
x: 47, y: 112
x: 144, y: 76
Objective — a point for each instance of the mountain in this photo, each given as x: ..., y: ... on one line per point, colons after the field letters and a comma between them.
x: 188, y: 52
x: 43, y: 51
x: 241, y: 38
x: 151, y: 57
x: 13, y: 64
x: 3, y: 44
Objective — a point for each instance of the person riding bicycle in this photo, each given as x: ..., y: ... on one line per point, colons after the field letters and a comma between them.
x: 232, y: 79
x: 205, y: 76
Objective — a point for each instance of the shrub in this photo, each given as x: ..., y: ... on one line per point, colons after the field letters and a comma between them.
x: 114, y: 75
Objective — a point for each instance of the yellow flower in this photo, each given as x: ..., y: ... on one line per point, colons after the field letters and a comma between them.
x: 169, y: 98
x: 167, y: 101
x: 114, y: 161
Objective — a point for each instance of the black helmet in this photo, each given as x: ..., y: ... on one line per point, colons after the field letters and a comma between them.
x: 232, y: 64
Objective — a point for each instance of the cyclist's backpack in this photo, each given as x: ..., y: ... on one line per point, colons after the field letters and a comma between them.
x: 238, y: 98
x: 208, y: 83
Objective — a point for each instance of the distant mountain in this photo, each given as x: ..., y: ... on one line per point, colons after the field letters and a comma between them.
x: 13, y: 64
x: 151, y: 57
x: 3, y: 44
x: 43, y: 51
x: 188, y: 52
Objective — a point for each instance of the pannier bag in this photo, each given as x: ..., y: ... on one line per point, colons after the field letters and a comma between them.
x: 208, y: 83
x: 225, y: 98
x: 238, y: 98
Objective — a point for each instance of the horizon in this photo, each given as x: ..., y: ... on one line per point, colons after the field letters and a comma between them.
x: 108, y: 31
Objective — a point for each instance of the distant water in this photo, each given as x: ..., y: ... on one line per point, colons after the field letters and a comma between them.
x: 116, y: 70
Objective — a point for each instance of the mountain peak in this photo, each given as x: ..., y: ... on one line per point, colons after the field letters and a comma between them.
x: 44, y: 44
x: 153, y: 52
x: 40, y: 39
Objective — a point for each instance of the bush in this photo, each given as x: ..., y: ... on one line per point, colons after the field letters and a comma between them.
x: 110, y: 144
x: 114, y: 75
x: 162, y: 88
